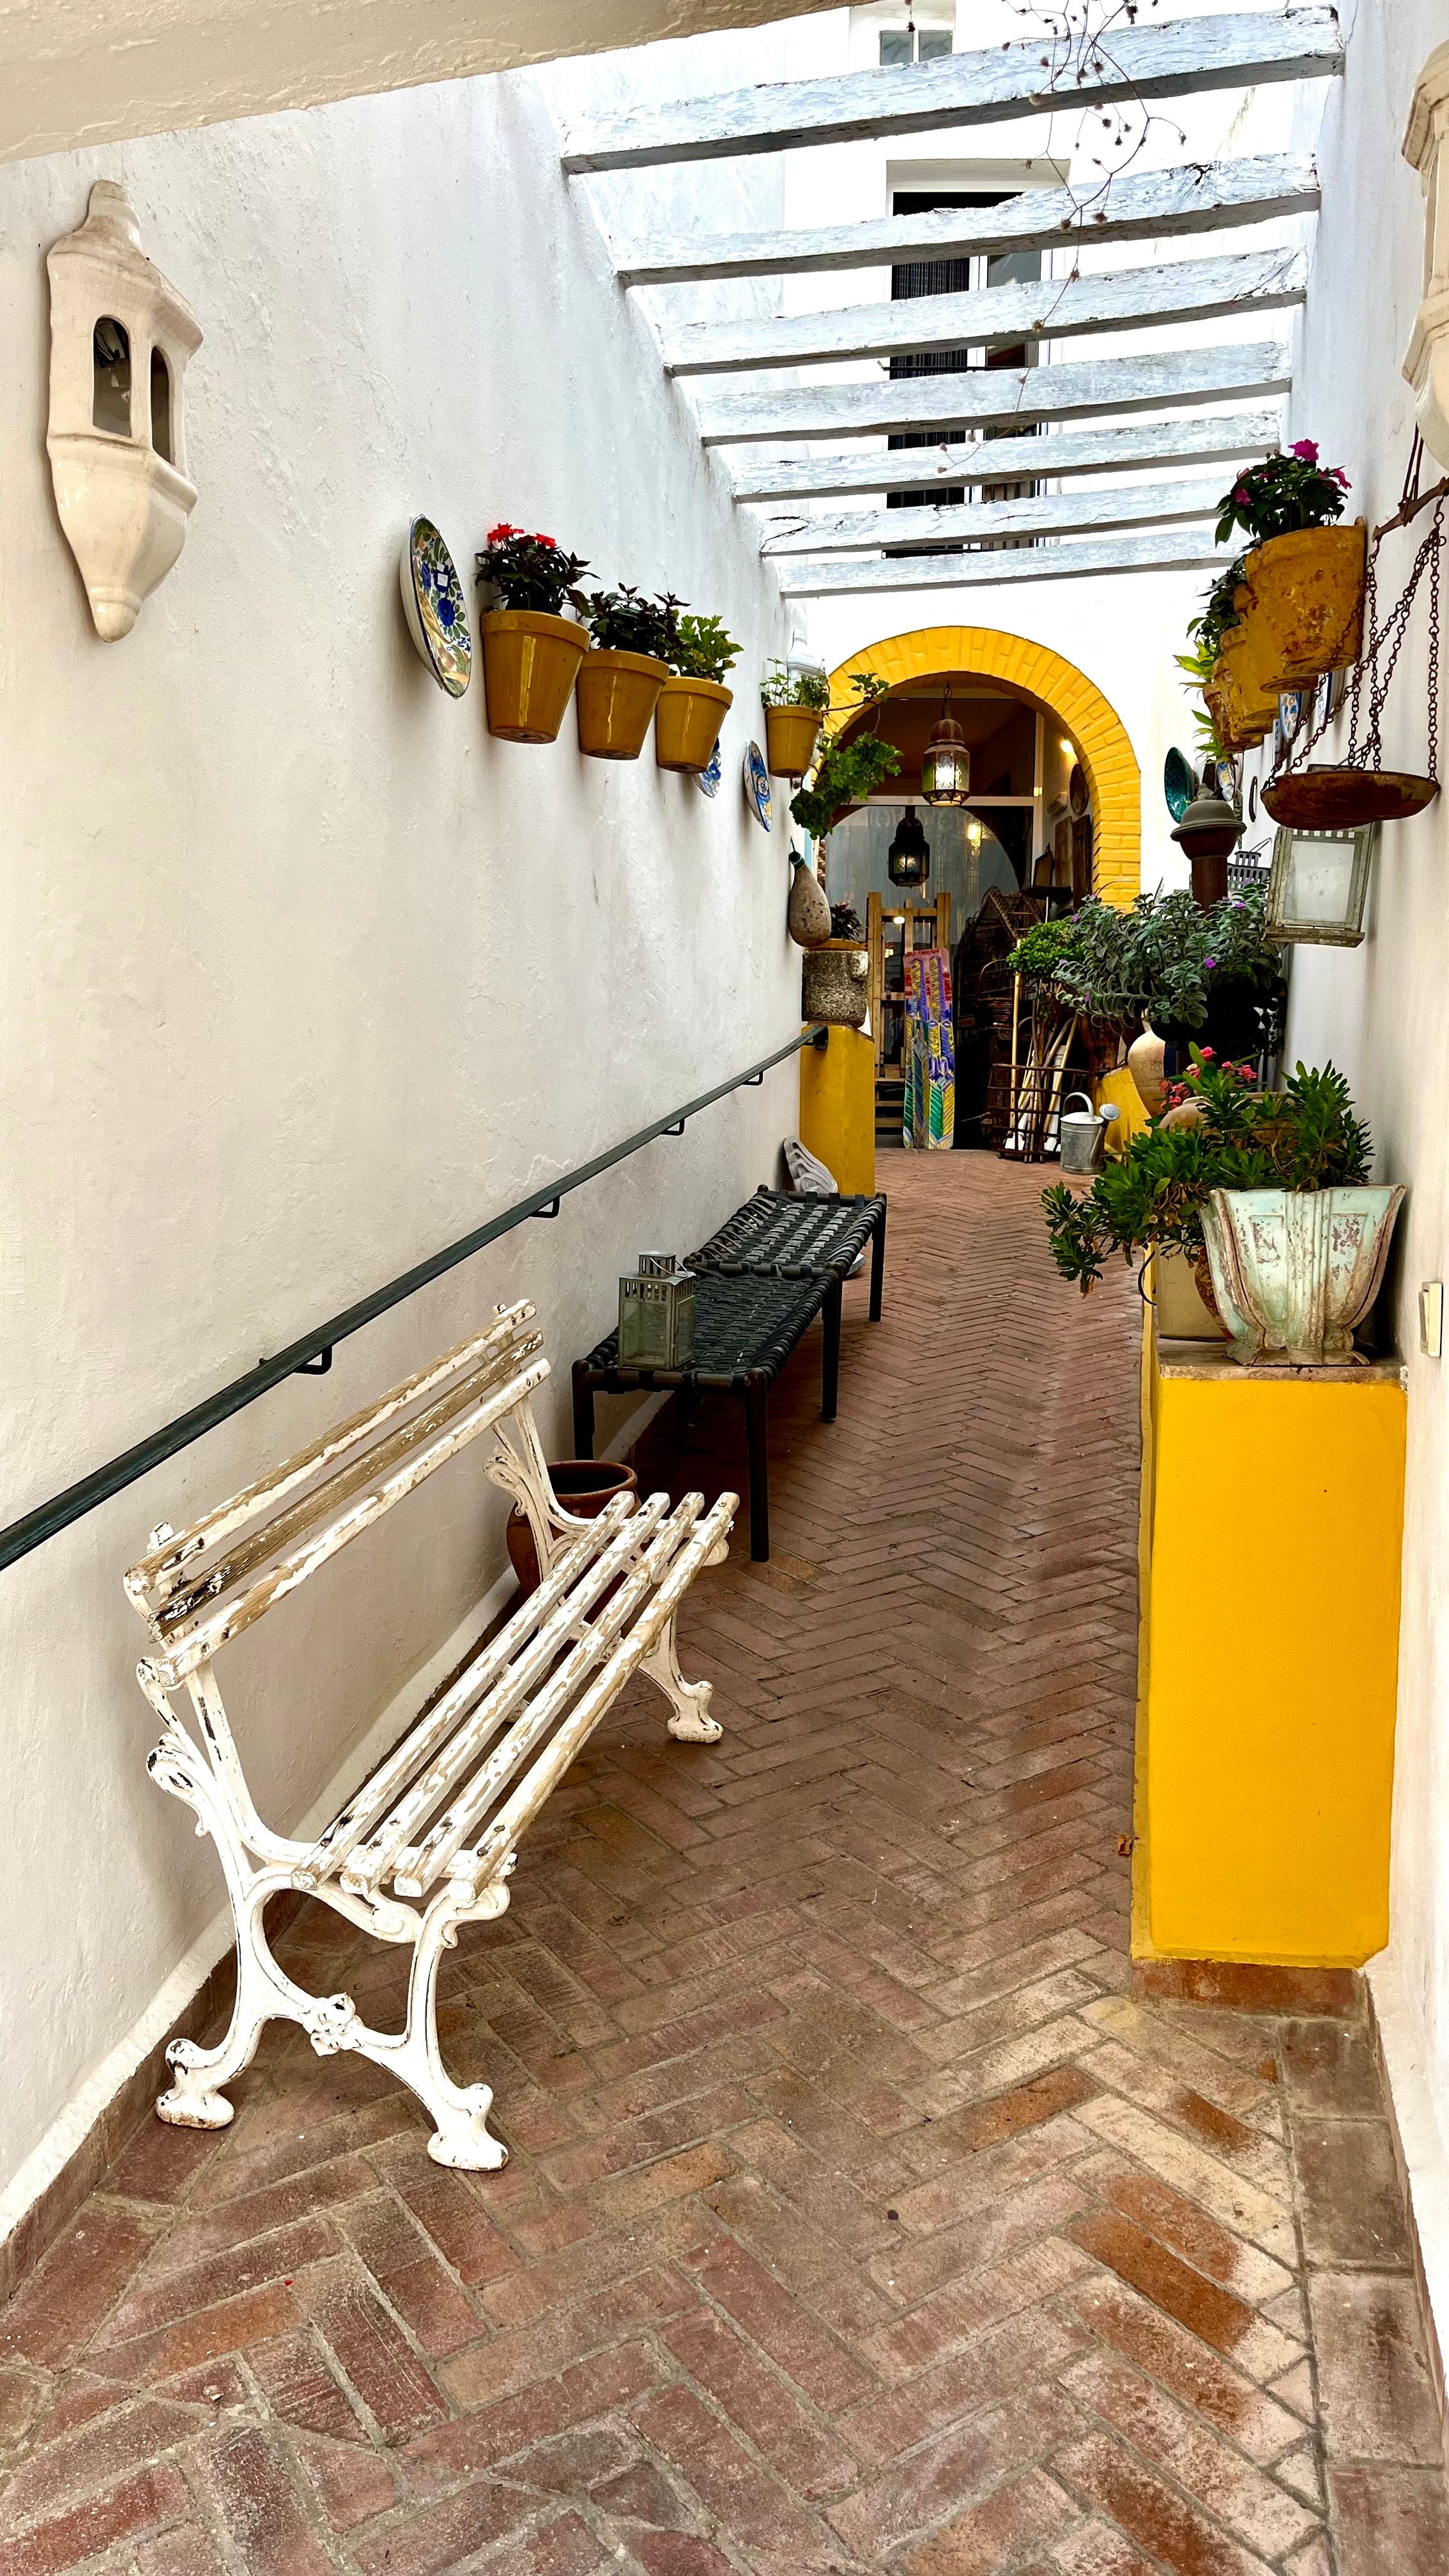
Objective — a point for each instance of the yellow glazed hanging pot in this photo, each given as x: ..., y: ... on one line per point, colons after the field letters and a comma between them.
x: 687, y: 722
x: 616, y: 696
x: 791, y: 734
x: 1248, y: 720
x: 1215, y: 699
x: 1307, y: 593
x: 529, y: 665
x: 1251, y: 661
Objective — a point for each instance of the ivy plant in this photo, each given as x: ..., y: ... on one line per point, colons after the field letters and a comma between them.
x: 845, y: 774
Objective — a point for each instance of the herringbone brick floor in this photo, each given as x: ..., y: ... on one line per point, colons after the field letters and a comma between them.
x: 855, y: 2220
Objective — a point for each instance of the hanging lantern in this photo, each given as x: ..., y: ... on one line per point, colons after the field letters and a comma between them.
x: 908, y: 860
x: 1319, y: 885
x: 946, y: 762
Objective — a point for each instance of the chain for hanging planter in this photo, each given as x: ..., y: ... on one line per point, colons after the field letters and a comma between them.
x: 1359, y: 790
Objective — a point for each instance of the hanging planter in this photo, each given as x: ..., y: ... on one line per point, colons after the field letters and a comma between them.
x: 621, y: 677
x: 687, y: 722
x: 1306, y: 590
x: 1322, y: 799
x: 1251, y: 707
x: 531, y: 652
x: 791, y: 734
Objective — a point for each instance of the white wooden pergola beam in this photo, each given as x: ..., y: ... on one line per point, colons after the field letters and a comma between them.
x: 997, y: 317
x: 1156, y: 551
x: 1160, y: 205
x: 1210, y: 440
x: 997, y: 397
x: 1090, y: 512
x: 1175, y: 59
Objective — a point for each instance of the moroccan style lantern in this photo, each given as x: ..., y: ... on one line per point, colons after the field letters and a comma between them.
x: 946, y: 762
x: 656, y: 1314
x: 1319, y: 886
x: 908, y: 860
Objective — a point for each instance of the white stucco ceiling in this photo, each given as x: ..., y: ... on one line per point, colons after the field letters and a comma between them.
x: 76, y: 72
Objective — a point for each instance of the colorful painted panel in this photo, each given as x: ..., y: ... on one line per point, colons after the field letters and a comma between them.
x: 930, y: 1051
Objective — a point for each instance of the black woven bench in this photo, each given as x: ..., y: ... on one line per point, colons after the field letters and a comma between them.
x: 781, y: 1234
x: 775, y: 1265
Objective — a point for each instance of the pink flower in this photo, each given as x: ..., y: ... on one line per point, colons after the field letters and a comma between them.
x: 1307, y: 448
x: 1242, y: 495
x: 1206, y: 1052
x: 1338, y: 476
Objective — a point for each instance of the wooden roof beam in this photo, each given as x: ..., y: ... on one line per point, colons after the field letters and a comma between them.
x: 1089, y: 511
x: 998, y: 317
x: 1203, y: 440
x: 1174, y: 59
x: 997, y: 397
x: 1158, y: 205
x: 1156, y: 550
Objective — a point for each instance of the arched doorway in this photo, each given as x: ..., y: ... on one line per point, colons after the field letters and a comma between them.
x: 1087, y: 718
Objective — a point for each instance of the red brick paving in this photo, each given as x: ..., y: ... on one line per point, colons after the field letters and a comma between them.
x: 855, y: 2218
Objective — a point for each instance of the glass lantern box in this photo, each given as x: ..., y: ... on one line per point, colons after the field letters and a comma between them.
x: 656, y: 1314
x: 1319, y: 885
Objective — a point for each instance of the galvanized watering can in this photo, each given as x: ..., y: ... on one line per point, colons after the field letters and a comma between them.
x: 1084, y: 1135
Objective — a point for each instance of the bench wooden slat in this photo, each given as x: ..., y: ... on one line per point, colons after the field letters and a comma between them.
x: 372, y: 1864
x: 435, y: 1723
x: 152, y: 1581
x: 196, y: 1645
x: 419, y: 1869
x: 513, y: 1821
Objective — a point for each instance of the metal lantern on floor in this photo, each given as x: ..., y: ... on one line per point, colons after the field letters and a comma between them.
x: 908, y: 860
x: 946, y: 762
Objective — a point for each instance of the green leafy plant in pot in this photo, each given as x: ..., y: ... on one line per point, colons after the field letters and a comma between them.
x: 621, y: 677
x: 1267, y: 1196
x: 694, y: 701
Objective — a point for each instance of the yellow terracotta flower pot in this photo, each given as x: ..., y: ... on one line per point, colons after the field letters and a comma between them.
x: 791, y: 734
x: 530, y: 662
x: 687, y: 722
x: 1215, y: 700
x: 1231, y: 676
x: 1307, y: 592
x: 617, y: 694
x: 1250, y: 660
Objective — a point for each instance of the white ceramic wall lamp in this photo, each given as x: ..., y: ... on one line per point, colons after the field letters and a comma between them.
x: 119, y: 341
x: 1427, y: 363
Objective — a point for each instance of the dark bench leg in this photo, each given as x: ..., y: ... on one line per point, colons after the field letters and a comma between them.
x: 583, y: 1415
x: 877, y: 1266
x: 830, y: 1353
x: 757, y: 1434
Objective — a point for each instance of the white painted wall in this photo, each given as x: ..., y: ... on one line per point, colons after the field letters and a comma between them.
x: 302, y: 974
x: 1379, y: 1012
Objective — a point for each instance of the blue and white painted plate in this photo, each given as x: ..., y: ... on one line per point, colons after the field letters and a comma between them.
x: 435, y: 608
x: 757, y: 785
x: 707, y: 780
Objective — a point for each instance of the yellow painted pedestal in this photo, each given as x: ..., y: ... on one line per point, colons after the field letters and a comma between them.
x: 837, y: 1108
x: 1272, y: 1516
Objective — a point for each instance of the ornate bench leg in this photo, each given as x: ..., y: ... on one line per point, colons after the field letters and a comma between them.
x: 463, y: 2137
x: 689, y: 1720
x: 195, y: 2100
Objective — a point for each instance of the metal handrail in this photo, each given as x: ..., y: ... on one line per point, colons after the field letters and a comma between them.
x: 312, y: 1356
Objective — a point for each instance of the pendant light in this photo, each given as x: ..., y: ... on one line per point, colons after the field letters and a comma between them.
x: 908, y: 860
x: 946, y: 762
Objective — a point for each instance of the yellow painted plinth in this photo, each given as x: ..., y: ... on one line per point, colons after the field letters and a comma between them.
x: 837, y: 1108
x: 1271, y: 1531
x: 1120, y: 1089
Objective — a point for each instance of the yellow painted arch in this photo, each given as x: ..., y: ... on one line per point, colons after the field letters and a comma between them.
x: 1106, y: 753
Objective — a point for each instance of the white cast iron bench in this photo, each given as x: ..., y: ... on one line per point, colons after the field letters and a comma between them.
x: 441, y: 1819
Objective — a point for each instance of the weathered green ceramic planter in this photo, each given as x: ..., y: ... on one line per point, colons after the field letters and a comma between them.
x: 1293, y: 1271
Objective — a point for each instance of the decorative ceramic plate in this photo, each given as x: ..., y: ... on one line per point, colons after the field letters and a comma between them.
x: 1079, y: 800
x: 757, y: 785
x: 707, y: 780
x: 435, y: 608
x: 1295, y: 706
x: 1230, y: 777
x: 1177, y: 784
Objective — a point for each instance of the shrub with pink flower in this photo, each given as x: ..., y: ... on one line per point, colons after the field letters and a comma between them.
x: 1282, y: 494
x: 527, y: 571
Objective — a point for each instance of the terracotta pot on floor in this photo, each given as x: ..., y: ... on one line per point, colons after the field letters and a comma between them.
x: 583, y: 1486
